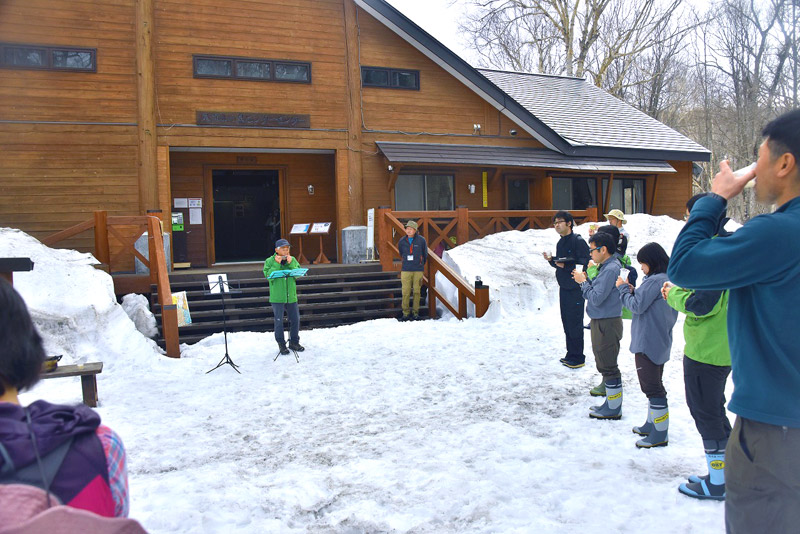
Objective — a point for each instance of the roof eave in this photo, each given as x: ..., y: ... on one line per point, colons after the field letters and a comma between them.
x: 464, y: 72
x: 639, y: 153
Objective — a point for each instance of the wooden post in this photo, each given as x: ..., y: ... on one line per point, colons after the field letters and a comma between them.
x: 354, y: 125
x: 607, y: 199
x: 146, y: 107
x: 384, y: 237
x: 158, y: 273
x: 462, y: 226
x: 101, y: 248
x: 591, y: 214
x: 430, y: 273
x: 481, y: 301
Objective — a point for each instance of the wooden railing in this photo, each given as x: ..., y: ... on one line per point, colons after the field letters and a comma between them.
x: 464, y: 225
x: 105, y: 227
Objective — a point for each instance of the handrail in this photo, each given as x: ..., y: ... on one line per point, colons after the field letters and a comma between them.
x: 157, y: 262
x: 478, y: 296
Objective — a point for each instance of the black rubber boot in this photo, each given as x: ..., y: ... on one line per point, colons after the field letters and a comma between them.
x: 282, y: 347
x: 297, y: 347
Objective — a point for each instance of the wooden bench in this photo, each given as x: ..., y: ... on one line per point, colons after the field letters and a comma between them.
x: 88, y: 373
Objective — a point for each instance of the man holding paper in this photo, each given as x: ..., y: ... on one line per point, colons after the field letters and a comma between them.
x: 283, y: 295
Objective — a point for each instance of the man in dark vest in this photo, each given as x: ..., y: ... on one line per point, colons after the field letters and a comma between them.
x: 571, y: 250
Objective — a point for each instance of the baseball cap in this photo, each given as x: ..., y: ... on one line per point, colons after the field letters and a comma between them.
x: 412, y: 224
x: 282, y: 243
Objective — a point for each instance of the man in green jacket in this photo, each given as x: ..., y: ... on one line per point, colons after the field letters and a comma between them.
x: 283, y: 296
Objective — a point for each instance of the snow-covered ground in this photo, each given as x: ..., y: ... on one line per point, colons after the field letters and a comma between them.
x: 436, y: 426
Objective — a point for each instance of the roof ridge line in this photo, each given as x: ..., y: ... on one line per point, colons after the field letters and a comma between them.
x: 533, y: 74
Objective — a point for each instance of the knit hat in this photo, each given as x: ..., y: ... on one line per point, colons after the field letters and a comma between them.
x: 412, y: 224
x: 617, y: 214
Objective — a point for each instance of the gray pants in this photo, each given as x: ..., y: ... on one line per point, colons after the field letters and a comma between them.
x: 293, y: 313
x: 606, y: 334
x: 762, y: 478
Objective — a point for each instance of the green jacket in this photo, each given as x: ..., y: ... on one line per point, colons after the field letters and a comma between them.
x: 706, y: 335
x: 281, y: 290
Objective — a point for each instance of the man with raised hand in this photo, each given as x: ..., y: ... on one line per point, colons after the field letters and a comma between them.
x: 760, y: 265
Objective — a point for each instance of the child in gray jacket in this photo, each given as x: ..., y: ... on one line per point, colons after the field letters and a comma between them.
x: 651, y: 339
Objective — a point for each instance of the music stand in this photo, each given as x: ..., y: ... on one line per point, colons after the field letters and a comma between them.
x: 221, y: 286
x: 294, y: 273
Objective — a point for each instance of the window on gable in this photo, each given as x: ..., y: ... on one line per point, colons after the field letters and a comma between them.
x: 390, y: 78
x: 238, y: 68
x: 424, y: 192
x: 19, y: 56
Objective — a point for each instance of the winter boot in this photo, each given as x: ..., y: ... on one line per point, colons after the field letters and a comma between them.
x: 713, y: 445
x: 612, y: 406
x: 282, y: 347
x: 658, y: 413
x: 647, y: 427
x: 296, y: 346
x: 712, y: 487
x: 599, y: 390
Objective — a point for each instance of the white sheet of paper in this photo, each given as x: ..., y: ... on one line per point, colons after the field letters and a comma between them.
x: 195, y: 202
x: 215, y: 286
x: 181, y: 202
x: 321, y: 228
x: 195, y: 216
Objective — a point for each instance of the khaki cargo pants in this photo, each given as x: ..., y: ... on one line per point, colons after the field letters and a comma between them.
x: 411, y: 280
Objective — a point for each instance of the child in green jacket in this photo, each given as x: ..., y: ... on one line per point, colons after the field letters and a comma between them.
x: 283, y: 296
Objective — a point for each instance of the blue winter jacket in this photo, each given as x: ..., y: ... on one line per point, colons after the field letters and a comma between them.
x: 760, y: 264
x: 653, y: 319
x: 602, y: 299
x: 417, y: 248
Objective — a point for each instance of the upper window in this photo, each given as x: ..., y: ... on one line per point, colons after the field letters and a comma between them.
x: 243, y: 68
x: 626, y: 194
x: 28, y: 56
x: 574, y: 193
x: 391, y: 78
x: 424, y: 192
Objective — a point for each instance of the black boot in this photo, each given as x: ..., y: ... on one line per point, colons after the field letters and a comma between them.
x: 282, y: 347
x: 297, y: 347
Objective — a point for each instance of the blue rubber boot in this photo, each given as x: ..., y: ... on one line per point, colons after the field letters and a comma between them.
x: 711, y: 445
x: 612, y: 406
x: 658, y: 413
x: 647, y: 427
x: 714, y: 486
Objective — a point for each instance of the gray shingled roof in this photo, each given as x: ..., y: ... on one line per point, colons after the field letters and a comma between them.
x: 584, y: 114
x: 513, y: 157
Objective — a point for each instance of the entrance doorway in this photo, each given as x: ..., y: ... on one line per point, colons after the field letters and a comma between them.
x: 518, y: 198
x: 247, y: 214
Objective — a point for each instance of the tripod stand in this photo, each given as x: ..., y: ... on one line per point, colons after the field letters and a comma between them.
x: 221, y: 286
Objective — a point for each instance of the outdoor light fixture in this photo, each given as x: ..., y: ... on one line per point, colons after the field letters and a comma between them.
x: 310, y: 189
x: 471, y: 188
x: 390, y: 168
x: 512, y: 132
x: 476, y: 129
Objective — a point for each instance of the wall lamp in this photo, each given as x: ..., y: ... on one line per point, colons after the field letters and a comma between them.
x: 471, y: 188
x: 390, y: 168
x: 310, y: 189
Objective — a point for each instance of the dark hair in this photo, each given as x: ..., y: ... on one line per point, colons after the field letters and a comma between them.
x: 603, y: 239
x: 783, y: 135
x: 691, y: 202
x: 567, y: 216
x: 21, y: 350
x: 655, y: 257
x: 610, y: 229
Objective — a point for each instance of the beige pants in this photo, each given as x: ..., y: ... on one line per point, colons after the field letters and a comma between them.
x: 411, y: 280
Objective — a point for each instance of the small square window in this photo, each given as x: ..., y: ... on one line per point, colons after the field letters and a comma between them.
x: 213, y: 67
x: 18, y: 56
x: 73, y: 59
x: 405, y: 79
x: 253, y: 69
x: 291, y: 72
x: 375, y: 77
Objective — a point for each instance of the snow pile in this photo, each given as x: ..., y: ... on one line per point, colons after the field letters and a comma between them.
x: 138, y: 309
x: 519, y: 278
x: 73, y: 305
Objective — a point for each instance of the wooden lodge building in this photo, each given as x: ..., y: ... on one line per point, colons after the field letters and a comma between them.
x: 250, y: 116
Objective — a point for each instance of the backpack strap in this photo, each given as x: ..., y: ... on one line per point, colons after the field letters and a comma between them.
x: 30, y: 474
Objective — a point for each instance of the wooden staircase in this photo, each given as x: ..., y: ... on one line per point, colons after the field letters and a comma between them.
x: 329, y: 295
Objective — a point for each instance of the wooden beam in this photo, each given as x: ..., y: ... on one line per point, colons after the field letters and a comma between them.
x: 393, y: 175
x: 649, y: 209
x: 355, y: 175
x: 607, y: 199
x: 146, y: 107
x: 498, y: 172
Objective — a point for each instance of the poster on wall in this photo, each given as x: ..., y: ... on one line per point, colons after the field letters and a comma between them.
x: 181, y: 202
x: 195, y: 216
x: 195, y: 202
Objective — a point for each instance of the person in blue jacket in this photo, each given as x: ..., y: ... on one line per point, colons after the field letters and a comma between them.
x: 413, y: 253
x: 760, y: 265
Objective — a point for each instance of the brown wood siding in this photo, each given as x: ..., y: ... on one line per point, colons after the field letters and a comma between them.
x: 109, y: 95
x: 270, y: 29
x: 188, y: 170
x: 673, y: 191
x: 53, y: 177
